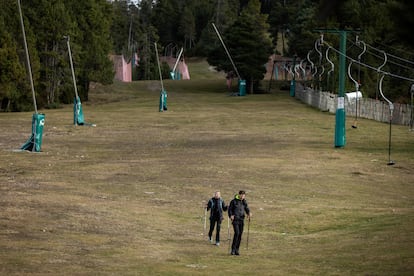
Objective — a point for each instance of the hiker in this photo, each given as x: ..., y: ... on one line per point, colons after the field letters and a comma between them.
x: 217, y: 205
x: 238, y: 207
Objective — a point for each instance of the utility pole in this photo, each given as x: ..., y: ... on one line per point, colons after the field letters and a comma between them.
x: 340, y: 139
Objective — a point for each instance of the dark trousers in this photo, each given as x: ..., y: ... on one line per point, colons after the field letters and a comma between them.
x: 213, y: 222
x: 238, y: 226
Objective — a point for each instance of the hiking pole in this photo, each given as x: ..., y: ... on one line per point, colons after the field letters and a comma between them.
x: 248, y: 231
x: 205, y: 221
x: 228, y: 231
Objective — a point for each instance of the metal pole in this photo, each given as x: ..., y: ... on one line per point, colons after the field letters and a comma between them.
x: 357, y: 103
x: 340, y: 111
x: 178, y: 59
x: 159, y: 66
x: 228, y: 232
x: 29, y: 68
x: 390, y: 162
x: 248, y: 232
x: 205, y: 221
x: 356, y: 93
x: 225, y: 48
x: 71, y: 67
x: 391, y: 106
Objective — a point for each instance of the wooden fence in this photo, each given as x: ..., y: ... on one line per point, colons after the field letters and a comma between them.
x: 367, y: 108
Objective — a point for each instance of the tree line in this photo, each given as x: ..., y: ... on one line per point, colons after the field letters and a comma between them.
x: 252, y: 30
x: 47, y: 23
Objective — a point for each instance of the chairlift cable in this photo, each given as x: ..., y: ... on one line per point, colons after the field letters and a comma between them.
x: 396, y: 57
x: 389, y: 61
x: 396, y: 49
x: 373, y: 68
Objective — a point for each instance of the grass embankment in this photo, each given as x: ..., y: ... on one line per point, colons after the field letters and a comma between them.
x: 125, y: 197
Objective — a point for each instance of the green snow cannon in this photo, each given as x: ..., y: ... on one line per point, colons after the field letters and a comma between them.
x: 242, y: 87
x: 163, y: 101
x: 34, y: 143
x: 175, y: 75
x: 78, y: 118
x: 292, y: 88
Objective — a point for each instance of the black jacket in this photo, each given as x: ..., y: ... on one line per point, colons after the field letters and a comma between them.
x: 238, y: 208
x: 217, y: 206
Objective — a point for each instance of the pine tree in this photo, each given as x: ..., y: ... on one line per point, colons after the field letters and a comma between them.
x: 24, y: 100
x: 92, y: 42
x: 166, y: 20
x: 249, y: 44
x: 147, y: 68
x: 187, y: 28
x: 221, y: 12
x: 49, y: 21
x: 11, y: 71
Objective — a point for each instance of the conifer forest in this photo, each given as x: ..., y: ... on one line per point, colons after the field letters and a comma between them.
x: 252, y: 29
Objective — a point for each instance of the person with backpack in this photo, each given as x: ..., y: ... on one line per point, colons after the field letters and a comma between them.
x: 238, y: 207
x: 217, y: 205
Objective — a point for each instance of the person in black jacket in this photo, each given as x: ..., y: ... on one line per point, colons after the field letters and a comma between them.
x: 217, y: 205
x: 238, y: 207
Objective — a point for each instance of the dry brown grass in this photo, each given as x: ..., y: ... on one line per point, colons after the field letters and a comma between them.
x: 125, y: 197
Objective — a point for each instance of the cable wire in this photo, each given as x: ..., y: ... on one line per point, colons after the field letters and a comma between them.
x: 389, y: 55
x: 371, y: 67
